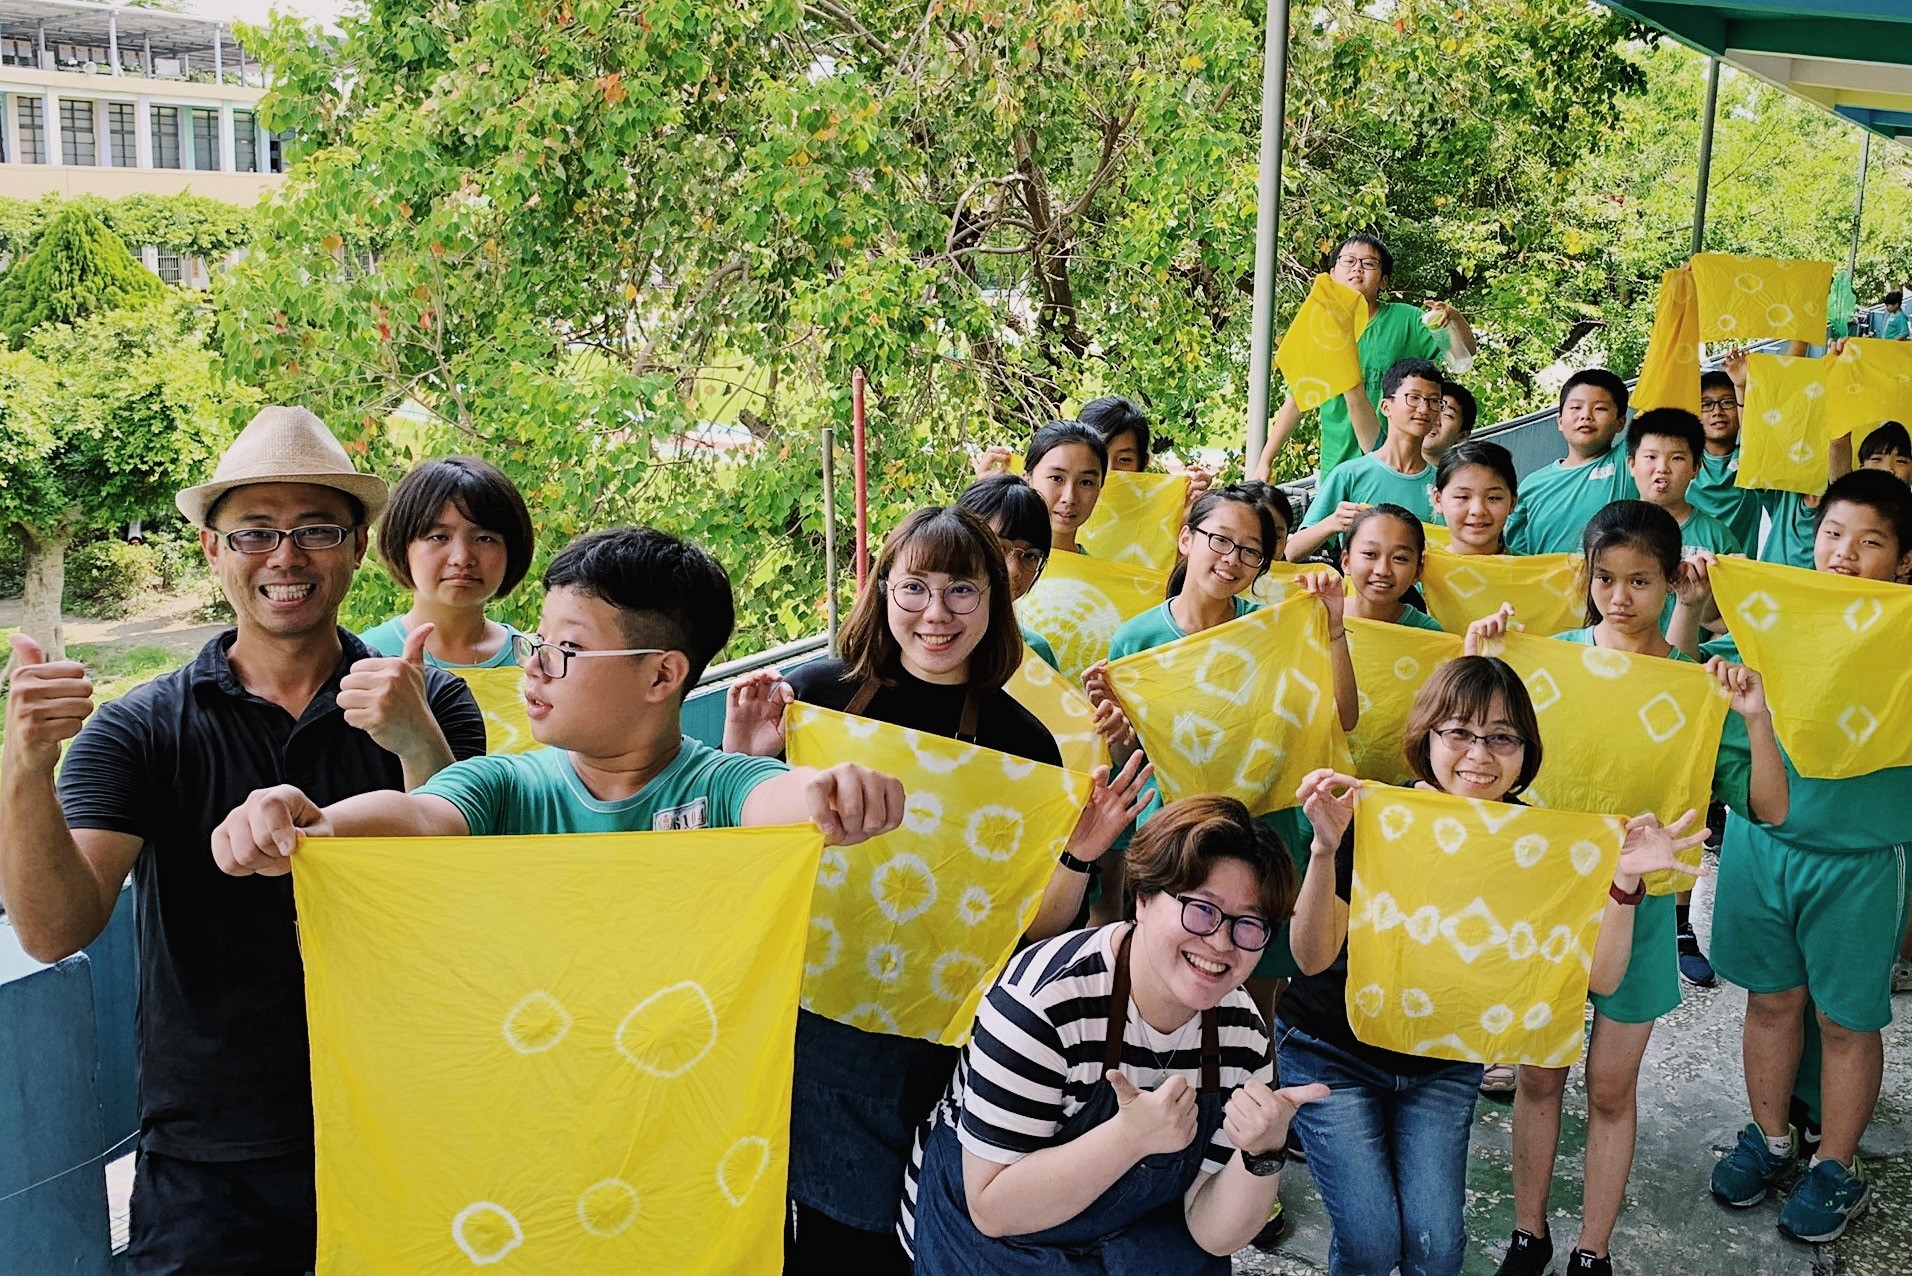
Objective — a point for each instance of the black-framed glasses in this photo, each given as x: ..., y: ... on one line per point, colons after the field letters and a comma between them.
x: 554, y: 661
x: 1502, y: 742
x: 1432, y: 402
x: 1348, y: 261
x: 1709, y: 406
x: 1224, y: 546
x: 961, y: 597
x: 263, y: 540
x: 1199, y: 917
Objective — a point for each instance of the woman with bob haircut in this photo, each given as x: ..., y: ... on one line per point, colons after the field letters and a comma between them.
x: 1113, y: 1111
x: 1388, y: 1148
x: 458, y: 535
x: 1021, y: 523
x: 928, y: 645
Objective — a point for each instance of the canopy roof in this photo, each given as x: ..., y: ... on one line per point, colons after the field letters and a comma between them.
x: 1853, y: 57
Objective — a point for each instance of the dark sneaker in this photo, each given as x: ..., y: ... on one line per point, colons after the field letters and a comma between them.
x: 1825, y: 1202
x: 1584, y: 1263
x: 1744, y: 1175
x: 1801, y: 1117
x: 1273, y: 1230
x: 1694, y: 968
x: 1527, y: 1255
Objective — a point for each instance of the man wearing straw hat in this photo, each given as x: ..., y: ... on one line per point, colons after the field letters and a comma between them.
x: 224, y: 1177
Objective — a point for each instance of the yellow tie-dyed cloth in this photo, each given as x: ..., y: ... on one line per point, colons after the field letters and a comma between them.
x: 1745, y: 299
x: 1548, y: 591
x: 1670, y: 374
x: 1319, y: 354
x: 1471, y: 925
x: 1062, y: 707
x: 1871, y: 382
x: 1832, y: 652
x: 1783, y: 439
x: 1244, y: 709
x: 1391, y: 664
x: 1278, y: 582
x: 553, y: 1054
x: 1137, y: 520
x: 910, y: 929
x: 507, y: 727
x: 1080, y: 602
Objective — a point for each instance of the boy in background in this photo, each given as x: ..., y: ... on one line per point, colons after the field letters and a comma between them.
x: 1458, y: 413
x: 1556, y: 502
x: 1397, y: 472
x: 1888, y: 448
x: 1715, y: 489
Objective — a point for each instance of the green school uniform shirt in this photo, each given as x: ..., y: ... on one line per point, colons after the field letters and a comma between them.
x: 1558, y: 501
x: 1157, y: 626
x: 1414, y: 618
x: 1040, y: 645
x: 540, y: 792
x: 1394, y: 333
x: 1701, y: 531
x: 1896, y: 326
x: 1367, y: 480
x: 1713, y: 492
x: 388, y: 639
x: 1789, y: 537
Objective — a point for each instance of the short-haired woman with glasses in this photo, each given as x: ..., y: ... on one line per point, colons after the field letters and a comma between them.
x: 929, y: 644
x: 1113, y: 1111
x: 1388, y: 1149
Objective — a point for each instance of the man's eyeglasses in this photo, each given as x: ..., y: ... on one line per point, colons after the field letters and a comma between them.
x: 1347, y: 261
x: 554, y: 661
x: 1432, y: 402
x: 1716, y: 405
x: 962, y: 597
x: 1199, y: 917
x: 1223, y: 547
x: 1495, y: 741
x: 263, y: 540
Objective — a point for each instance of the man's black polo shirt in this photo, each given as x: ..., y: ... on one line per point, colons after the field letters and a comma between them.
x: 224, y: 1069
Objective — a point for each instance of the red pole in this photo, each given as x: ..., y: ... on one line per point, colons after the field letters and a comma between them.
x: 860, y: 445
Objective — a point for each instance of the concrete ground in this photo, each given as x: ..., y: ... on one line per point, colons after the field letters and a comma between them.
x: 1692, y: 1106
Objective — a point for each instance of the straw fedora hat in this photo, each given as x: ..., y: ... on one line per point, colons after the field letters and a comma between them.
x: 284, y: 445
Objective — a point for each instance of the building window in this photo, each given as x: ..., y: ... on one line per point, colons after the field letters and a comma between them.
x: 165, y: 137
x: 169, y: 265
x: 32, y: 135
x: 275, y: 152
x: 76, y: 133
x: 205, y: 139
x: 16, y: 51
x: 245, y: 142
x: 121, y: 121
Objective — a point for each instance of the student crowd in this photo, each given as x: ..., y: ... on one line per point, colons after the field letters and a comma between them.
x: 1175, y: 1025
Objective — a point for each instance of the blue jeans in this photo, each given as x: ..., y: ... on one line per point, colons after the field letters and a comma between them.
x: 1389, y: 1155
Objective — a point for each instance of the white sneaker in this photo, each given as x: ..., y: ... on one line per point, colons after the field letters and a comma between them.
x: 1901, y: 975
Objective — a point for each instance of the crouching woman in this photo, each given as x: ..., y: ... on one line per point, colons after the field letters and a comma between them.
x: 1112, y: 1112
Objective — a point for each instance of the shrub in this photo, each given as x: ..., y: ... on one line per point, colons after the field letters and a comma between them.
x: 108, y: 577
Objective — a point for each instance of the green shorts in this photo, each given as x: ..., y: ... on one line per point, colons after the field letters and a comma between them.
x: 1292, y: 827
x: 1829, y: 920
x: 1651, y: 986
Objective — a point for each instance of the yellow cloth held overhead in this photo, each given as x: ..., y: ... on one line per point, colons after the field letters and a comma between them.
x: 1621, y: 734
x: 1062, y: 707
x: 910, y: 929
x: 1471, y: 925
x: 1870, y: 382
x: 1080, y: 602
x: 553, y: 1054
x: 1783, y: 439
x: 1318, y: 354
x: 1751, y: 298
x: 1831, y: 650
x: 507, y: 727
x: 1548, y: 591
x: 1137, y: 519
x: 1244, y: 709
x: 1670, y: 374
x: 1391, y: 664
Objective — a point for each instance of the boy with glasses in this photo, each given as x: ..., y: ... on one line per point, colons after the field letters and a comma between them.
x: 1715, y: 491
x: 1396, y: 473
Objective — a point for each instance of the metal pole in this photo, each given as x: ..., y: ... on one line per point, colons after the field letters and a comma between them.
x: 828, y: 435
x: 1859, y: 208
x: 860, y: 447
x: 1274, y: 90
x: 1706, y: 156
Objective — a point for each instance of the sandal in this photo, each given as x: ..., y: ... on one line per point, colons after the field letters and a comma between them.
x: 1498, y: 1081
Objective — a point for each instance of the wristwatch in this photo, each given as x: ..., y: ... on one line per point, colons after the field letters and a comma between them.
x: 1628, y: 898
x: 1075, y: 865
x: 1267, y: 1163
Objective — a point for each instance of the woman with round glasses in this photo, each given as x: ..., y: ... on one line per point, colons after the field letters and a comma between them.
x: 1388, y: 1149
x: 928, y: 645
x: 1113, y: 1112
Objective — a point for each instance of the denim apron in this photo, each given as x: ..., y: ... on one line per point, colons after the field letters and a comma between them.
x: 858, y: 1098
x: 1136, y: 1226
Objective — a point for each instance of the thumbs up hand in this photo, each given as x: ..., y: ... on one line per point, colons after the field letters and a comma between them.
x: 1158, y: 1120
x: 384, y: 696
x: 46, y: 703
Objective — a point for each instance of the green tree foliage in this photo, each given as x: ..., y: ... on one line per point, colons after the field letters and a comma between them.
x: 77, y: 268
x: 196, y: 224
x: 102, y: 421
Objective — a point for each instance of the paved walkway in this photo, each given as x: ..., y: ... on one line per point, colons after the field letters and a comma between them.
x: 1692, y: 1105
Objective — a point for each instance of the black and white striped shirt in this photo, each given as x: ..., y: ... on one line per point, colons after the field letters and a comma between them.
x: 1038, y: 1048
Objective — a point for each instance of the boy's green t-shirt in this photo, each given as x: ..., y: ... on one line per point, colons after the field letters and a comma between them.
x: 1414, y: 618
x: 1896, y: 326
x: 1040, y: 645
x: 1368, y: 480
x: 1557, y: 502
x: 540, y: 792
x: 1701, y: 531
x: 1790, y: 536
x: 1714, y: 492
x: 388, y: 639
x: 1394, y: 333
